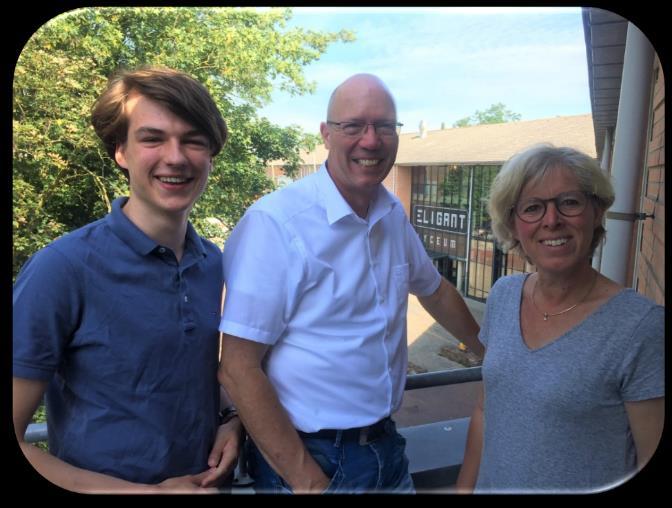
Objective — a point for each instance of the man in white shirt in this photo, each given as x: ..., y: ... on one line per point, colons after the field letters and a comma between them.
x: 317, y: 275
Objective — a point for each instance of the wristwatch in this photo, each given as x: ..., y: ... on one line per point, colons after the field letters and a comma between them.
x: 226, y: 414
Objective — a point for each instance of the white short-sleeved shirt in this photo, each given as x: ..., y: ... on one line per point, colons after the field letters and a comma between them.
x: 328, y: 291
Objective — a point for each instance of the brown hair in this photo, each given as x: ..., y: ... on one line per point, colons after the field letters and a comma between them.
x: 181, y: 94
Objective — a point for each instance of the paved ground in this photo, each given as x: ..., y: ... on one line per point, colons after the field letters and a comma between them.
x: 432, y: 348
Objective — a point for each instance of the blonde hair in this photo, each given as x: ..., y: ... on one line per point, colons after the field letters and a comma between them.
x: 530, y: 166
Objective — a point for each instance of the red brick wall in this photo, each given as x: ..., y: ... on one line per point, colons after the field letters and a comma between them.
x: 389, y: 181
x: 651, y: 257
x: 404, y: 187
x: 398, y: 182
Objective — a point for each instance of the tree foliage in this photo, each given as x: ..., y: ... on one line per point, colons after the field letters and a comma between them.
x: 63, y: 177
x: 497, y: 113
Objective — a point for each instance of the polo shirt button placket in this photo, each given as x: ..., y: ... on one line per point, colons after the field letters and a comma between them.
x: 183, y: 297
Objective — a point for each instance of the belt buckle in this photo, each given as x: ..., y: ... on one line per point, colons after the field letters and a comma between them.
x: 364, y: 435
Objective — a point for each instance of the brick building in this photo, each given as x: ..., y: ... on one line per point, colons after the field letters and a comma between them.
x: 628, y: 104
x: 442, y: 178
x: 444, y: 175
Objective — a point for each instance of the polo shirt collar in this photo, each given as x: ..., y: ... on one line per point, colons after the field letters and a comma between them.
x: 137, y: 240
x: 337, y: 207
x: 194, y: 241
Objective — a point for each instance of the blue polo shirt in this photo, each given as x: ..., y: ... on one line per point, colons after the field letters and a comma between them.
x: 127, y: 338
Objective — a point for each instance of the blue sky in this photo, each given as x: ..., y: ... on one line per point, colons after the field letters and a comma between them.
x: 443, y: 64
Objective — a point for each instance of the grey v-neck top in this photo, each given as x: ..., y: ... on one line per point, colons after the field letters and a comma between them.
x: 554, y: 417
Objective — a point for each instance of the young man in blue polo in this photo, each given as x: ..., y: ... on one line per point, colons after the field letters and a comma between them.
x: 117, y: 322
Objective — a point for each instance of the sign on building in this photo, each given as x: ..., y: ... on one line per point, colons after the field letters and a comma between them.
x: 441, y: 229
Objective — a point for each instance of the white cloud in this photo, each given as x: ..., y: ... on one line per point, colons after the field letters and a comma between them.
x: 443, y: 65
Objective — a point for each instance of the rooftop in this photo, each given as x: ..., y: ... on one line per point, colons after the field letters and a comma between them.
x: 485, y: 144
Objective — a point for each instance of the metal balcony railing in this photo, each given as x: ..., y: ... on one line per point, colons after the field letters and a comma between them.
x: 38, y: 431
x: 443, y: 378
x: 434, y: 450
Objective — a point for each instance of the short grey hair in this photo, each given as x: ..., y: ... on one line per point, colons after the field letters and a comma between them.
x: 531, y: 165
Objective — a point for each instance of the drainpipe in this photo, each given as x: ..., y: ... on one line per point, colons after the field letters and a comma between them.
x: 604, y: 164
x: 629, y: 152
x: 465, y: 290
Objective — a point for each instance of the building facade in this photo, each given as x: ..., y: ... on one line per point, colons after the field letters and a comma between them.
x: 442, y: 178
x: 627, y: 89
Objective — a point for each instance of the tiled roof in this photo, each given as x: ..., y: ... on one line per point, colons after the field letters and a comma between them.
x: 492, y: 143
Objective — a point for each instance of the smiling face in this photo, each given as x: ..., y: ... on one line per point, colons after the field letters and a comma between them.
x: 358, y: 164
x: 556, y: 243
x: 167, y: 159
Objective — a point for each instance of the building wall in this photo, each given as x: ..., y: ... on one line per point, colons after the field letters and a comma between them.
x: 398, y: 182
x: 273, y: 172
x: 276, y: 172
x: 390, y: 181
x: 651, y: 256
x: 404, y: 187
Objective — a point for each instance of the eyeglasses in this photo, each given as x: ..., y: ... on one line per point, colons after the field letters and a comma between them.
x: 569, y: 204
x: 354, y: 129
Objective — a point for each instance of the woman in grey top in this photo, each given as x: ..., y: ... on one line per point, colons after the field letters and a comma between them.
x: 573, y: 374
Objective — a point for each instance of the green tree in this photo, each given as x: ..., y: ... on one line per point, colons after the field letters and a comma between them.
x: 497, y: 113
x: 63, y: 177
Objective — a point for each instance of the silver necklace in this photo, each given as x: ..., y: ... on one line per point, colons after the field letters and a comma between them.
x: 547, y: 314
